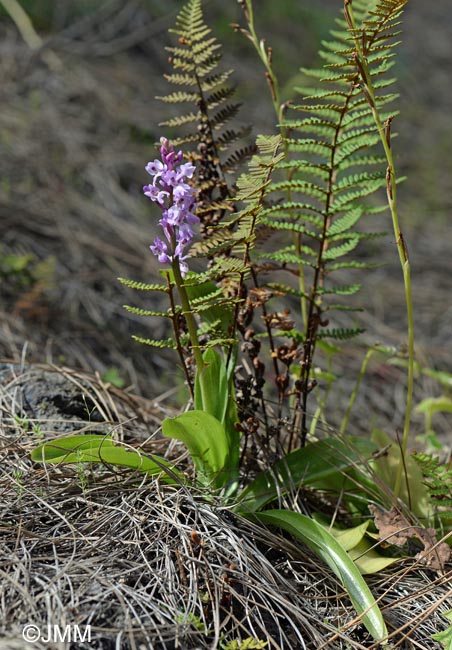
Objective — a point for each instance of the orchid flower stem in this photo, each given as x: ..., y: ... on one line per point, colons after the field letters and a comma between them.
x: 188, y: 314
x: 385, y: 137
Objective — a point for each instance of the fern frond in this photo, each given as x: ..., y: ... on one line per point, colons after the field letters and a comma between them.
x: 178, y: 97
x: 339, y: 251
x: 181, y: 120
x: 281, y: 209
x: 207, y: 298
x: 353, y: 264
x: 346, y: 222
x: 287, y: 258
x: 142, y: 286
x: 150, y: 312
x: 340, y: 334
x: 220, y: 341
x: 290, y: 226
x: 438, y: 481
x: 344, y: 290
x: 156, y: 343
x: 331, y: 169
x: 196, y: 63
x: 237, y: 158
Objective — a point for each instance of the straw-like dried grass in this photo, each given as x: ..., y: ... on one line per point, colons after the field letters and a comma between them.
x: 154, y: 567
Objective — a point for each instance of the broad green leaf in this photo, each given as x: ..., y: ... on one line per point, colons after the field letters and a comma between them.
x: 54, y: 451
x: 324, y: 375
x: 214, y: 394
x: 211, y: 386
x: 207, y: 442
x: 324, y: 461
x: 100, y: 449
x: 347, y: 537
x: 326, y: 547
x: 368, y: 559
x: 112, y: 376
x: 328, y: 347
x: 353, y: 540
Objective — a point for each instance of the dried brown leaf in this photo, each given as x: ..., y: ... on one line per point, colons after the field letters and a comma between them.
x: 395, y: 529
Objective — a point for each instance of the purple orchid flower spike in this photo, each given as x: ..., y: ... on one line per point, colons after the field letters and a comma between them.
x: 176, y: 199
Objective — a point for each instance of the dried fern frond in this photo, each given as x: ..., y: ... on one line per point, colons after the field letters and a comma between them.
x: 207, y: 129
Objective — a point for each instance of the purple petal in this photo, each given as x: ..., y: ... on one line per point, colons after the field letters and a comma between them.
x: 183, y: 268
x: 186, y: 170
x: 156, y: 167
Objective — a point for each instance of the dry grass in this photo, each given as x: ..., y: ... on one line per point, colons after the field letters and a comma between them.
x: 149, y: 566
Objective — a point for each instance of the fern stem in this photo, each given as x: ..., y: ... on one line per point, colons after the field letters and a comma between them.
x: 384, y: 131
x: 314, y: 313
x: 265, y: 54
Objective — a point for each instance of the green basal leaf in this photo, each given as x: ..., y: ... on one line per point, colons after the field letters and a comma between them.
x: 326, y: 547
x: 101, y: 449
x: 325, y: 461
x: 360, y: 550
x: 207, y: 442
x: 54, y: 451
x: 349, y: 537
x: 211, y: 386
x: 214, y: 394
x: 368, y: 560
x: 324, y: 375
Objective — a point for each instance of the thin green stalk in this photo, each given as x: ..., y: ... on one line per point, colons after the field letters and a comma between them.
x: 188, y: 313
x: 23, y: 23
x: 177, y: 336
x: 384, y: 131
x: 354, y: 394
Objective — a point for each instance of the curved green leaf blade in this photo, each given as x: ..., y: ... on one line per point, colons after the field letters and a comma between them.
x: 101, y: 449
x: 206, y: 440
x: 55, y: 451
x: 211, y: 386
x: 320, y: 460
x: 360, y: 550
x: 348, y: 538
x: 434, y: 404
x: 214, y: 394
x: 368, y: 560
x: 325, y: 546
